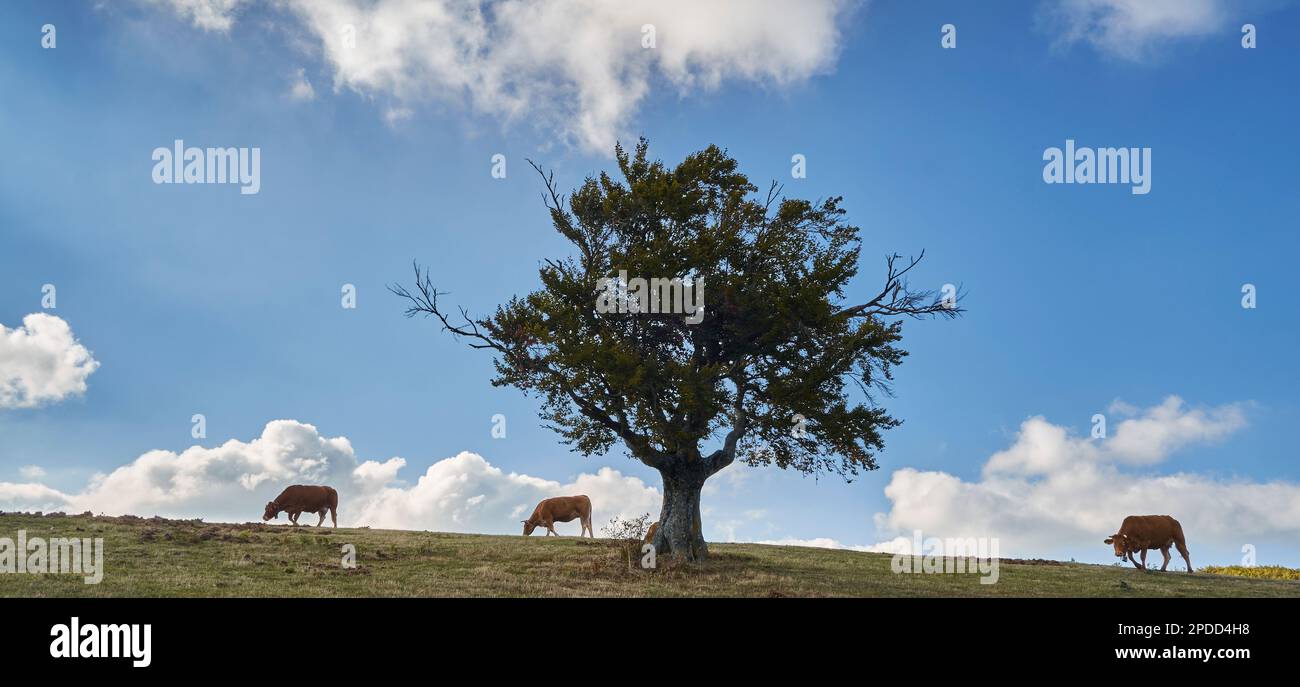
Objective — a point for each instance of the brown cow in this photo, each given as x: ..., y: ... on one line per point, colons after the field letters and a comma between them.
x: 301, y: 498
x: 1145, y: 532
x: 560, y: 509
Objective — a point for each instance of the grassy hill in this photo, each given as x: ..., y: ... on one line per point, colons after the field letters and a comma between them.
x: 156, y: 557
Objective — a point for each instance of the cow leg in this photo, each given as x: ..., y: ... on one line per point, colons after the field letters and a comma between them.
x: 1182, y: 551
x: 1144, y: 558
x: 1132, y: 556
x: 334, y: 516
x: 1165, y: 551
x: 322, y: 517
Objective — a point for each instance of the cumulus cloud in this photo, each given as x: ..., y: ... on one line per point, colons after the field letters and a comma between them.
x: 233, y: 481
x: 1130, y: 29
x: 41, y: 362
x: 465, y: 493
x: 1052, y: 491
x: 579, y: 68
x: 30, y: 496
x: 1165, y: 428
x: 1044, y: 448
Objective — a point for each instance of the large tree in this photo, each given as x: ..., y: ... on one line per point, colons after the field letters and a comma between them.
x: 782, y: 369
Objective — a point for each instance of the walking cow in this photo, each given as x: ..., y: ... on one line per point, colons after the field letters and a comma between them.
x: 1140, y: 533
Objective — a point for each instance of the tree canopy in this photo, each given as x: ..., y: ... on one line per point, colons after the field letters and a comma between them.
x: 783, y: 368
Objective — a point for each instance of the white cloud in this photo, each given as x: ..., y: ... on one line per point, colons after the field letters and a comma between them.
x: 41, y: 362
x: 465, y: 493
x: 30, y: 497
x: 816, y: 543
x: 577, y: 68
x: 301, y: 89
x: 1130, y: 29
x: 31, y: 471
x: 1051, y: 491
x: 1043, y: 448
x: 1168, y: 427
x: 394, y: 115
x: 211, y: 15
x: 233, y: 481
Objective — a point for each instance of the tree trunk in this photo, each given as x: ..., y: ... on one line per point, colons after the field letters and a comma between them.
x: 680, y: 534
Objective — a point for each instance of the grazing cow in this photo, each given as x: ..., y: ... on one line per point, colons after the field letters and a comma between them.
x: 560, y: 509
x: 1144, y: 532
x: 301, y: 498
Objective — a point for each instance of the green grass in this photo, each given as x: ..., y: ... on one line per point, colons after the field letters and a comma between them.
x: 152, y: 557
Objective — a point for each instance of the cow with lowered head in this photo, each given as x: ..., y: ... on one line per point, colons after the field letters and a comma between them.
x: 1141, y: 533
x: 302, y: 498
x: 560, y: 509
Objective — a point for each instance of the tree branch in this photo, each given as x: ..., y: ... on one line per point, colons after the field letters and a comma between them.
x: 896, y: 299
x: 425, y: 301
x: 740, y: 423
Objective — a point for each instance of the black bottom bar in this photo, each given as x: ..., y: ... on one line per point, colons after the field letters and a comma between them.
x: 326, y: 636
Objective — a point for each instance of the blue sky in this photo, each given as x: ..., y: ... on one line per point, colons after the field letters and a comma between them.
x: 197, y: 299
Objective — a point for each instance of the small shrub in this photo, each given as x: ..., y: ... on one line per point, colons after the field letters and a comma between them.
x: 629, y: 534
x: 633, y: 529
x: 1267, y: 572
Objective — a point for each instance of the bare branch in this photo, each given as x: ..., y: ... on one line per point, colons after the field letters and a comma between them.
x: 896, y: 299
x: 425, y: 302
